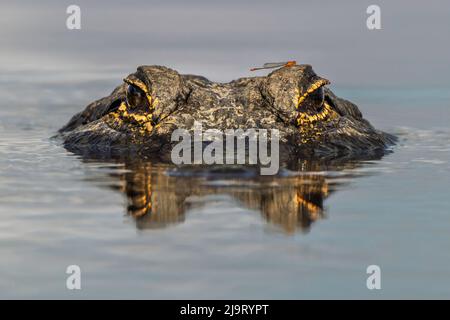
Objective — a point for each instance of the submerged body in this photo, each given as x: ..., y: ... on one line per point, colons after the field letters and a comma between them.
x: 140, y: 115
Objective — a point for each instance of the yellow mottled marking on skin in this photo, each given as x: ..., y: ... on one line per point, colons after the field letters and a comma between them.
x: 122, y: 107
x: 140, y: 123
x: 296, y: 97
x: 154, y: 102
x: 148, y: 126
x: 316, y: 85
x: 306, y: 119
x: 307, y: 123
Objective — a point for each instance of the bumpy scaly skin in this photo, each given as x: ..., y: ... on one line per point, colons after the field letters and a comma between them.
x: 330, y: 129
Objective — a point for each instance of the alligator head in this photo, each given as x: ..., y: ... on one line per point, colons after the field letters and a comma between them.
x: 141, y: 114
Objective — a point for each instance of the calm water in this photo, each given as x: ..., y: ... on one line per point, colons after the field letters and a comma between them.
x: 308, y: 233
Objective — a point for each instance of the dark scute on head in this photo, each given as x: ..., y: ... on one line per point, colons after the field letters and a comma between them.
x: 165, y: 84
x: 199, y: 80
x: 280, y: 87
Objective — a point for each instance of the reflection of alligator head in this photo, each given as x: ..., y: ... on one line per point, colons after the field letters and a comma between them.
x: 159, y: 196
x: 140, y: 115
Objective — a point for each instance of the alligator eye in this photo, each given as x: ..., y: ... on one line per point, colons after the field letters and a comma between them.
x: 314, y: 100
x: 135, y: 97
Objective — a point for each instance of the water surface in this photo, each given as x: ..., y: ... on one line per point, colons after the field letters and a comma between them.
x: 310, y: 232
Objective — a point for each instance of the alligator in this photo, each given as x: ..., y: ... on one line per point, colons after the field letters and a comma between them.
x: 138, y: 118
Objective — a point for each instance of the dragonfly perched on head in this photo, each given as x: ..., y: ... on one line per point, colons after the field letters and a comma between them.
x: 273, y: 65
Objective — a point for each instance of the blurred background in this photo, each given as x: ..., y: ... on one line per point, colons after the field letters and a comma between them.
x: 221, y: 40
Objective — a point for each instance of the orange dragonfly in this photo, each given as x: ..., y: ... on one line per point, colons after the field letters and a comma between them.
x: 273, y: 65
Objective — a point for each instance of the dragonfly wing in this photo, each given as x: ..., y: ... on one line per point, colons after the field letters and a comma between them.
x: 274, y: 64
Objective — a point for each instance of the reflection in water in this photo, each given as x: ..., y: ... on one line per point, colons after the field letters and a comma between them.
x: 159, y: 196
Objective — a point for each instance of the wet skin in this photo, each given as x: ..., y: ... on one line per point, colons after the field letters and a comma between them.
x: 140, y: 115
